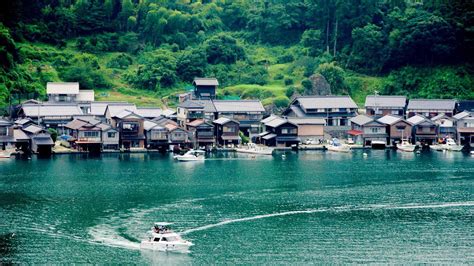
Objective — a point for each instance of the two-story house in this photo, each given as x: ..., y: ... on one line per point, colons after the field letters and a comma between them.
x: 191, y: 110
x: 177, y: 136
x: 40, y: 140
x: 68, y: 92
x: 279, y: 132
x: 380, y: 105
x: 131, y: 129
x: 465, y: 127
x: 397, y: 128
x: 424, y: 130
x: 201, y: 133
x: 248, y: 113
x: 446, y: 126
x: 309, y: 129
x: 87, y: 133
x: 430, y: 108
x: 335, y: 110
x: 205, y: 88
x: 368, y: 131
x: 226, y: 131
x: 7, y: 140
x: 156, y: 135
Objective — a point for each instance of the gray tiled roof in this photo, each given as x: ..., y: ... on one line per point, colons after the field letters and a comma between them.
x: 115, y: 108
x: 149, y: 112
x: 32, y: 110
x: 361, y: 120
x: 238, y: 106
x: 307, y: 121
x: 206, y: 105
x: 278, y: 121
x: 389, y: 119
x: 417, y: 119
x: 426, y: 104
x: 221, y: 120
x: 385, y: 101
x: 206, y: 82
x: 316, y: 102
x: 4, y: 122
x: 461, y: 115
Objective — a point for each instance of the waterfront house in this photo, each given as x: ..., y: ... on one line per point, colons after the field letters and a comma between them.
x: 156, y: 135
x: 191, y: 110
x: 430, y: 108
x: 7, y: 140
x: 309, y: 129
x: 424, y: 130
x: 116, y: 108
x: 41, y: 141
x: 446, y: 126
x: 335, y: 110
x: 226, y: 131
x: 87, y: 134
x: 465, y: 127
x: 22, y: 140
x: 279, y: 132
x: 110, y: 137
x: 205, y: 88
x: 177, y: 136
x: 247, y: 112
x: 380, y: 105
x: 367, y: 130
x: 201, y: 133
x: 397, y: 128
x: 130, y: 127
x: 50, y: 115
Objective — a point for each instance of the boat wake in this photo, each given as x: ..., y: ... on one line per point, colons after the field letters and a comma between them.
x: 335, y: 209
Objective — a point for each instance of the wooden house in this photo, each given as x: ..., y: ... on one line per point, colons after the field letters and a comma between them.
x: 397, y: 128
x: 335, y: 110
x: 205, y: 88
x: 368, y: 131
x: 156, y: 135
x: 248, y: 113
x: 424, y: 130
x: 131, y: 129
x: 465, y: 128
x: 87, y: 134
x: 381, y: 105
x: 430, y: 108
x: 309, y: 129
x: 201, y: 133
x: 226, y: 131
x: 279, y: 132
x: 7, y: 140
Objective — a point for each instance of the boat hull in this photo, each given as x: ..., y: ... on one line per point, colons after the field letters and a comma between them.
x: 180, y: 247
x: 189, y: 159
x: 406, y: 148
x: 339, y: 149
x: 261, y: 152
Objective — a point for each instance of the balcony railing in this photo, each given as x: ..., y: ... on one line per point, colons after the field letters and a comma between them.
x: 89, y: 139
x: 195, y: 115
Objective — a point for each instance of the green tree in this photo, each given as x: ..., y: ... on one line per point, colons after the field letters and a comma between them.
x: 334, y: 76
x: 369, y: 51
x: 223, y: 49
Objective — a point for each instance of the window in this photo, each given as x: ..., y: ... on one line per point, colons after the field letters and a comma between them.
x: 157, y: 239
x: 111, y: 135
x: 321, y: 110
x: 395, y: 112
x: 91, y: 134
x: 254, y: 117
x: 375, y: 129
x: 334, y: 109
x: 378, y: 111
x: 228, y: 129
x: 288, y: 131
x: 3, y: 131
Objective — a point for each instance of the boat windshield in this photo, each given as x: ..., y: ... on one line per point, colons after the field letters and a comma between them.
x: 170, y: 238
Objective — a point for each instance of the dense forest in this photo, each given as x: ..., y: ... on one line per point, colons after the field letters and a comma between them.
x: 147, y: 50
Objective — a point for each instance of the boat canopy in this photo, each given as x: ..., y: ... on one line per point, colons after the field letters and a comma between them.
x: 163, y: 223
x: 336, y: 142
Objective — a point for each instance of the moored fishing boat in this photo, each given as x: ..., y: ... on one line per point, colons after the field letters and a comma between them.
x: 252, y: 148
x: 337, y: 146
x: 405, y: 145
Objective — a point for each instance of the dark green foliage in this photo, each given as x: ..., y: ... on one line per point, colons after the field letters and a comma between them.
x: 288, y: 81
x: 223, y: 49
x: 85, y: 69
x: 281, y: 101
x: 290, y: 91
x: 54, y: 134
x: 334, y: 76
x: 120, y: 61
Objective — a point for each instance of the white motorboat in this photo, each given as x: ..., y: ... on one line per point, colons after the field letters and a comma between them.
x: 337, y: 146
x: 191, y: 155
x: 451, y: 145
x: 405, y: 145
x: 252, y: 148
x: 162, y: 238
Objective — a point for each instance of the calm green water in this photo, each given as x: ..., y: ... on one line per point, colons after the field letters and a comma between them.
x: 309, y: 207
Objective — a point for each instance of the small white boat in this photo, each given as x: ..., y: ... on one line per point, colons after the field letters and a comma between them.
x: 191, y: 155
x: 6, y: 153
x: 405, y: 145
x: 162, y: 238
x: 336, y: 146
x: 451, y: 145
x: 252, y: 148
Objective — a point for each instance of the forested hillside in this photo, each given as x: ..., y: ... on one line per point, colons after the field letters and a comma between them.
x: 147, y: 50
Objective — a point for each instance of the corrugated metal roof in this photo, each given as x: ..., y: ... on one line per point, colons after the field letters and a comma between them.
x: 268, y: 119
x: 462, y: 115
x: 269, y: 136
x: 317, y: 102
x: 417, y: 119
x: 238, y: 106
x: 32, y: 110
x: 361, y: 120
x: 85, y: 96
x: 125, y: 113
x: 221, y: 120
x: 33, y: 129
x: 206, y: 105
x: 196, y: 123
x: 62, y: 88
x: 206, y: 82
x: 278, y: 121
x: 116, y: 108
x: 389, y: 119
x: 19, y: 134
x: 385, y: 101
x: 43, y: 139
x: 428, y: 104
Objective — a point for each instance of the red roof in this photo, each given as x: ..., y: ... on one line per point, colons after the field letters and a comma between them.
x: 354, y: 132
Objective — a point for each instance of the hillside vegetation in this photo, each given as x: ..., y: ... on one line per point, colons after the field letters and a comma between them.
x: 146, y: 51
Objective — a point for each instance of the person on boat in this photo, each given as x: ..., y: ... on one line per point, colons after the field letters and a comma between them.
x: 156, y: 229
